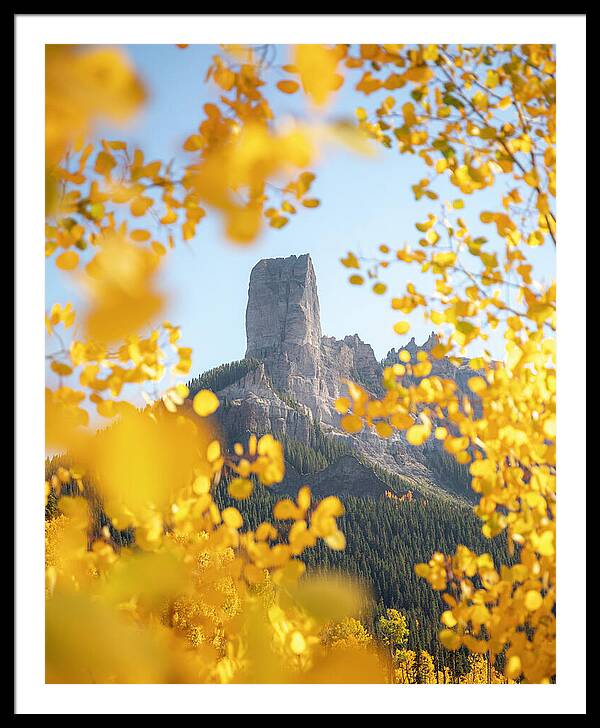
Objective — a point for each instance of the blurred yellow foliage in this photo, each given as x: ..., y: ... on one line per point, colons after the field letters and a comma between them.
x: 83, y: 85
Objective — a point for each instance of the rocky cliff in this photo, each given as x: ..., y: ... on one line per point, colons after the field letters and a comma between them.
x: 299, y: 374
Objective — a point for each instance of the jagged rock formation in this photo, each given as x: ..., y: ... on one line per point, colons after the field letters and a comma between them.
x: 283, y: 329
x: 439, y: 367
x: 291, y: 392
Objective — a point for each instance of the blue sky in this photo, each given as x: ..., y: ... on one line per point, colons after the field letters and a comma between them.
x: 366, y: 201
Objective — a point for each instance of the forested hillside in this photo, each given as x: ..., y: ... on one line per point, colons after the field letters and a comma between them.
x: 222, y: 376
x: 384, y: 539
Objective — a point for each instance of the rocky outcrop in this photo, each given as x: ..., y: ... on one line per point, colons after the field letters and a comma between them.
x: 283, y: 307
x: 302, y: 373
x: 254, y: 405
x: 283, y: 329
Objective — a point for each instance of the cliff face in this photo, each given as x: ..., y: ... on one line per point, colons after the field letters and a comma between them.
x: 283, y: 307
x: 301, y: 373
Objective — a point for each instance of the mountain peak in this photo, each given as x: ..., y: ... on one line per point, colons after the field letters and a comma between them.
x: 283, y: 306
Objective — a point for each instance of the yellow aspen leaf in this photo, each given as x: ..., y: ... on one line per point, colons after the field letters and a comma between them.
x: 331, y: 506
x: 450, y: 639
x: 401, y: 421
x: 549, y: 427
x: 286, y: 510
x: 431, y: 53
x: 205, y: 403
x: 61, y: 369
x: 492, y: 79
x: 444, y: 260
x: 422, y: 369
x: 401, y: 328
x: 311, y: 202
x: 336, y: 540
x: 432, y: 236
x: 422, y: 570
x: 533, y: 600
x: 356, y: 280
x: 532, y: 178
x: 201, y: 485
x: 139, y: 206
x: 169, y: 217
x: 368, y: 83
x: 303, y: 498
x: 105, y: 163
x: 278, y: 221
x: 68, y: 316
x: 225, y: 78
x: 477, y: 384
x: 194, y: 143
x: 232, y: 518
x: 535, y: 238
x: 448, y: 619
x: 515, y: 323
x: 418, y: 74
x: 383, y: 429
x: 474, y: 645
x: 456, y: 444
x: 342, y: 405
x: 68, y: 260
x: 545, y: 544
x: 240, y: 488
x: 106, y: 408
x: 316, y: 66
x: 140, y: 236
x: 97, y: 210
x: 350, y: 261
x: 439, y: 350
x: 213, y: 451
x: 417, y: 434
x: 351, y: 423
x: 188, y: 229
x: 513, y: 667
x: 379, y: 288
x: 288, y: 86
